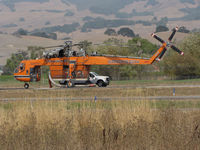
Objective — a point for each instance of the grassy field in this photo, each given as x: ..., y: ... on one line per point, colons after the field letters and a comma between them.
x: 9, y: 80
x: 101, y: 125
x: 88, y: 124
x: 98, y: 92
x: 130, y: 88
x: 157, y: 82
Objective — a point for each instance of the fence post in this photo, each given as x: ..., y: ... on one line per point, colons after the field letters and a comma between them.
x: 95, y: 98
x: 174, y: 92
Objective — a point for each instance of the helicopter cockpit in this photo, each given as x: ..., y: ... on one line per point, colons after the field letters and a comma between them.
x: 20, y: 68
x: 22, y: 73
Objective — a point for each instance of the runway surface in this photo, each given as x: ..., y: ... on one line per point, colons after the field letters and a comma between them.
x: 14, y: 94
x: 196, y: 97
x: 108, y: 87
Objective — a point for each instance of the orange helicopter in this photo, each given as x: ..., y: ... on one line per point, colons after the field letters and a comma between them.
x: 71, y: 68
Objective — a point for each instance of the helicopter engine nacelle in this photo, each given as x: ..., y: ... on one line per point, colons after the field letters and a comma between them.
x: 52, y: 54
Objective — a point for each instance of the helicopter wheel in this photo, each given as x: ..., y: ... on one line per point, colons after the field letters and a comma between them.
x: 26, y: 85
x: 70, y: 84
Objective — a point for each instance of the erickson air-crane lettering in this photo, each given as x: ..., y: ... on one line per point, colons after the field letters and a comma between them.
x: 70, y: 67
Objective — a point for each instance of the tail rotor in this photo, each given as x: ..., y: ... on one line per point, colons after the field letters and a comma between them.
x: 173, y: 33
x: 157, y: 38
x: 177, y: 50
x: 168, y: 44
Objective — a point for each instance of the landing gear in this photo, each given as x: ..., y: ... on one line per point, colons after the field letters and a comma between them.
x: 70, y: 84
x: 26, y: 85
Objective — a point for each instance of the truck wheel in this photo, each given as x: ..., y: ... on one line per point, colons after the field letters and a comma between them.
x: 100, y: 83
x: 26, y: 85
x: 104, y: 85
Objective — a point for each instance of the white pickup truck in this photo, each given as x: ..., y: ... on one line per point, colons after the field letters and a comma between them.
x: 101, y: 81
x: 93, y: 78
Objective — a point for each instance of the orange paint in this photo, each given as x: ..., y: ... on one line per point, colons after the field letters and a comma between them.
x: 75, y: 67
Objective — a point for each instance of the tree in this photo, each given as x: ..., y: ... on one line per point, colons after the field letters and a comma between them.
x: 47, y: 23
x: 117, y: 47
x: 142, y: 47
x: 21, y: 19
x: 163, y: 22
x: 20, y: 32
x: 32, y: 52
x: 183, y: 30
x: 162, y: 29
x: 187, y: 66
x: 126, y: 32
x: 45, y: 35
x: 52, y: 36
x: 69, y: 13
x: 35, y: 52
x: 14, y: 61
x: 110, y: 31
x: 85, y: 45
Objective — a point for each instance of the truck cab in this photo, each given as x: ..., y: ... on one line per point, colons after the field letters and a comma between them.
x: 101, y: 81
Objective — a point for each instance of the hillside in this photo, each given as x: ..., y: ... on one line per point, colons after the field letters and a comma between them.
x: 88, y: 19
x: 36, y: 14
x: 11, y: 44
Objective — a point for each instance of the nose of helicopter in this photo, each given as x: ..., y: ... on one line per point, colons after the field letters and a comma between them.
x: 20, y: 76
x: 24, y: 78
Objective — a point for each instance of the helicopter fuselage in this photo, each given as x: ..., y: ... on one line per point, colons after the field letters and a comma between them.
x: 66, y: 64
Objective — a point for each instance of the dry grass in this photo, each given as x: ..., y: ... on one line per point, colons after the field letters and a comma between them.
x: 135, y: 125
x: 100, y: 125
x: 99, y: 92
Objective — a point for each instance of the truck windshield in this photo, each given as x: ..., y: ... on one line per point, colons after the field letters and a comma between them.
x: 94, y: 73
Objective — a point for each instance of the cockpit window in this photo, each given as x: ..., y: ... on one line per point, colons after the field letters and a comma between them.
x: 22, y: 67
x: 16, y: 70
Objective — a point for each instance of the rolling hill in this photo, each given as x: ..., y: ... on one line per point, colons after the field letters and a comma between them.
x: 36, y: 14
x: 88, y: 19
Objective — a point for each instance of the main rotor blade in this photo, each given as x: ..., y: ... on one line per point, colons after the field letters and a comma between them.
x: 54, y: 46
x: 162, y: 54
x: 177, y: 50
x: 129, y: 45
x: 157, y: 38
x: 79, y: 44
x: 173, y: 33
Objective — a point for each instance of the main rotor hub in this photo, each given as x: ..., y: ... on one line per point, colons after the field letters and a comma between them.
x: 169, y: 44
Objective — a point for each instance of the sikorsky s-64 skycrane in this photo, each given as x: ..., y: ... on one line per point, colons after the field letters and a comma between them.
x: 71, y: 68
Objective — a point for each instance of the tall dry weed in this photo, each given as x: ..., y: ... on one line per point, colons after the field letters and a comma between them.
x: 101, y: 125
